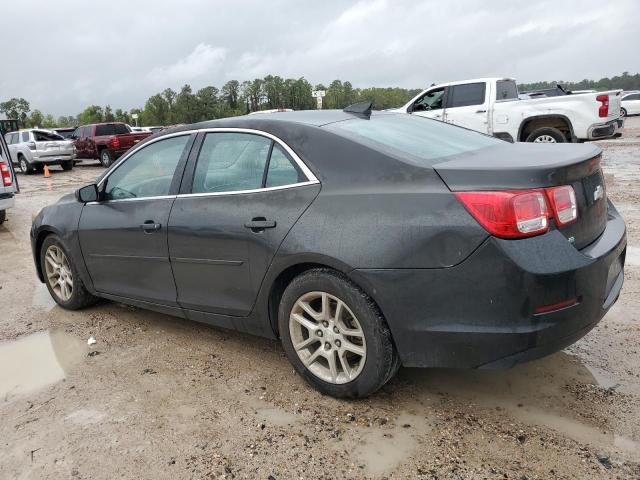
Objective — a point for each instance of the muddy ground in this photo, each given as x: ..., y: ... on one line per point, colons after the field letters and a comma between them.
x: 158, y: 397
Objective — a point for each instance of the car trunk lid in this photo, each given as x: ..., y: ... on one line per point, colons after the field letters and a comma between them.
x: 528, y: 166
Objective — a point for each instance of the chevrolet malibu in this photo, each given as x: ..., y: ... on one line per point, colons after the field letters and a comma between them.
x: 363, y: 241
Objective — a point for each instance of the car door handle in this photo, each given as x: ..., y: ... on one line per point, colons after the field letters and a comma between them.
x: 150, y: 226
x: 259, y: 224
x: 481, y: 111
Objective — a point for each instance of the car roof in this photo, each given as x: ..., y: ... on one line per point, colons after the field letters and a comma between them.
x: 316, y: 118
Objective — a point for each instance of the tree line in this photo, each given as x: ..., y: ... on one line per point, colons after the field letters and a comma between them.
x: 238, y: 98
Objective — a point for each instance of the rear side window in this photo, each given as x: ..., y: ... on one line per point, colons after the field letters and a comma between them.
x: 466, y: 95
x: 25, y: 136
x: 506, y: 90
x: 282, y: 170
x: 231, y: 162
x: 416, y: 139
x: 632, y: 97
x: 111, y: 129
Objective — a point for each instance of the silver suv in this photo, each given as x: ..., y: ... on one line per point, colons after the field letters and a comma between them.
x: 32, y: 149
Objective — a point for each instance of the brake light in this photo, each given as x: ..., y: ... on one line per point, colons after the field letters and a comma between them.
x: 115, y: 143
x: 521, y: 213
x: 31, y: 145
x: 603, y: 111
x: 6, y: 174
x: 563, y: 204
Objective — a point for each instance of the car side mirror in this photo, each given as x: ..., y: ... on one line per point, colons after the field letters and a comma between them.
x: 410, y: 108
x: 88, y: 194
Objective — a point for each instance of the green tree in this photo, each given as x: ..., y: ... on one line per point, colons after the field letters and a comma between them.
x: 231, y: 93
x: 16, y: 109
x: 91, y: 114
x: 185, y: 108
x: 36, y: 119
x: 207, y: 103
x: 122, y: 116
x: 156, y: 110
x: 49, y: 121
x: 108, y: 114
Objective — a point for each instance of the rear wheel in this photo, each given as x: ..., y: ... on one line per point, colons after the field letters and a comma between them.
x: 3, y: 216
x: 335, y: 336
x: 546, y: 135
x: 67, y: 165
x: 25, y: 166
x: 623, y: 112
x: 61, y: 276
x: 106, y: 158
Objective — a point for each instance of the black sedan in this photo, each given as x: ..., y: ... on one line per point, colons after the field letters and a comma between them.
x: 363, y: 241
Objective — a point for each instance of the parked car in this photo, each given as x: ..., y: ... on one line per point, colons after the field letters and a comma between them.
x: 34, y: 148
x: 105, y: 141
x: 65, y: 132
x: 8, y: 183
x: 492, y: 106
x: 630, y: 104
x: 363, y: 241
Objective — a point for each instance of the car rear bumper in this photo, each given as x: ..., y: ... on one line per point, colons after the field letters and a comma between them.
x: 7, y: 200
x: 480, y: 313
x: 605, y: 130
x: 53, y: 159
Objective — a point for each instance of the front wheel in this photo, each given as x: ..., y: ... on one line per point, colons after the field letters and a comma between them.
x: 25, y: 166
x: 546, y: 135
x: 106, y: 158
x: 61, y: 276
x: 335, y: 336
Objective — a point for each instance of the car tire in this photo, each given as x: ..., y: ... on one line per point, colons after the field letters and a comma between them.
x: 67, y: 165
x: 623, y: 112
x: 3, y: 216
x: 25, y: 166
x: 546, y: 135
x: 354, y: 375
x: 106, y: 158
x: 73, y: 295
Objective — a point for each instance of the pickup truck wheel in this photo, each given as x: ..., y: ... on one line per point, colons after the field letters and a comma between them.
x: 67, y: 165
x: 3, y: 216
x: 25, y: 166
x: 623, y: 112
x: 546, y: 135
x: 106, y: 159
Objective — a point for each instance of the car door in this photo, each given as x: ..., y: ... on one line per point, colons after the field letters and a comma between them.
x: 124, y: 235
x: 242, y: 194
x: 632, y: 104
x: 467, y: 105
x: 430, y: 104
x: 12, y: 139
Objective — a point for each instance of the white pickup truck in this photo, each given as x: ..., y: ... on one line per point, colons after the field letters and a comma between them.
x: 8, y: 182
x: 492, y: 106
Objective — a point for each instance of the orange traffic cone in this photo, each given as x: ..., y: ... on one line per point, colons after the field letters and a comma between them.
x: 46, y: 172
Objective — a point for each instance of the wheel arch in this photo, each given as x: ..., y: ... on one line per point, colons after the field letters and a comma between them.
x: 558, y: 121
x: 42, y: 234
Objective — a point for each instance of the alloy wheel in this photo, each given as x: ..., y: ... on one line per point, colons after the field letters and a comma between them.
x: 59, y: 274
x: 327, y: 337
x: 24, y: 166
x: 545, y: 139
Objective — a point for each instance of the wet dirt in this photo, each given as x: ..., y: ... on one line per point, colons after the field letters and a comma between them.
x: 159, y: 397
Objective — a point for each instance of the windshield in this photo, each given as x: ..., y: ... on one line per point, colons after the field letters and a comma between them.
x: 419, y: 137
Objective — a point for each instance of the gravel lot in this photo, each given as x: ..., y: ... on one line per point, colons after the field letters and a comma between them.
x: 158, y: 397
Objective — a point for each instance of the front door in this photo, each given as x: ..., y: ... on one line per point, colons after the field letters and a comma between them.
x: 467, y: 105
x: 124, y: 236
x: 246, y: 193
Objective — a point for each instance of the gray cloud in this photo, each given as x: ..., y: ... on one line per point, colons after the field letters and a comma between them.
x: 64, y: 55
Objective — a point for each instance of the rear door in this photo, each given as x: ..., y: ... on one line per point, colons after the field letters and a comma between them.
x: 242, y: 195
x: 467, y: 105
x: 124, y: 236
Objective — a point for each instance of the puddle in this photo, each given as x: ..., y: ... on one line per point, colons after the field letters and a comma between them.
x: 35, y: 361
x: 533, y: 393
x: 381, y: 450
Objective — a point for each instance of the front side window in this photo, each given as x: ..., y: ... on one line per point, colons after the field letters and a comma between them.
x: 466, y: 95
x: 432, y: 100
x: 148, y: 172
x: 230, y: 162
x: 86, y: 131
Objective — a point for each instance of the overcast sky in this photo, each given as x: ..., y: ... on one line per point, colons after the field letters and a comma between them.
x: 63, y: 55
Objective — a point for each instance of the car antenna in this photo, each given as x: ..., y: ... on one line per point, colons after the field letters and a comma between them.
x: 362, y: 109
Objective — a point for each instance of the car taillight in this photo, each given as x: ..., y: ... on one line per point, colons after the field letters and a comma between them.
x: 31, y: 145
x: 563, y: 204
x: 603, y: 111
x: 521, y: 213
x: 115, y: 143
x: 6, y: 174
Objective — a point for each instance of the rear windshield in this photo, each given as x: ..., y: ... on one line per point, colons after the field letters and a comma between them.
x: 46, y: 136
x: 419, y: 137
x: 112, y: 129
